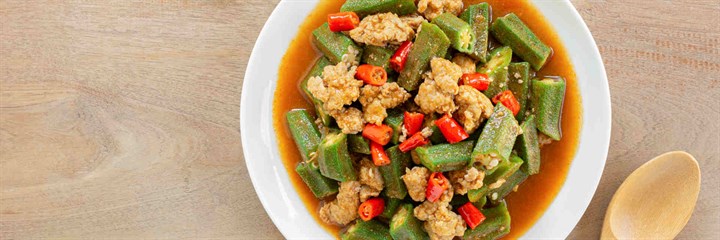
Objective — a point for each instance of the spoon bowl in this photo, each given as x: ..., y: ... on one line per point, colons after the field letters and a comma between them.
x: 656, y: 200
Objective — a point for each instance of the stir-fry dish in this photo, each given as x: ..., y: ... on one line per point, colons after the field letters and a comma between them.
x: 426, y: 116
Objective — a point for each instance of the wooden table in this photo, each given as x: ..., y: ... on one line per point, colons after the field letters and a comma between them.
x: 119, y: 119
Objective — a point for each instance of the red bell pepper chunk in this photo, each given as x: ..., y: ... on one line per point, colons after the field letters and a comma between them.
x: 479, y: 81
x: 397, y: 61
x: 473, y: 217
x: 452, y: 131
x: 413, y: 122
x: 371, y: 208
x: 372, y: 75
x: 437, y: 184
x: 379, y: 156
x: 507, y: 98
x: 343, y: 21
x: 413, y: 142
x: 380, y: 134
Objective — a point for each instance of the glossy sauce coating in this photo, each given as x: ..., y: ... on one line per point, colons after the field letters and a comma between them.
x: 533, y: 196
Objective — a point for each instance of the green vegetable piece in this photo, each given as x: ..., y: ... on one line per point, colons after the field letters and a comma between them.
x: 461, y: 35
x: 480, y: 203
x: 369, y: 7
x: 320, y: 185
x: 476, y: 195
x: 458, y: 200
x: 511, y: 31
x: 445, y: 157
x: 496, y: 224
x: 304, y: 132
x: 370, y: 230
x: 334, y: 158
x: 504, y: 170
x: 527, y: 146
x: 430, y: 42
x: 547, y: 103
x: 392, y: 173
x: 404, y: 225
x: 498, y: 194
x: 395, y: 120
x: 315, y: 71
x: 497, y: 138
x: 333, y: 44
x: 377, y: 56
x: 391, y: 206
x: 497, y: 70
x: 358, y: 144
x: 519, y: 84
x: 478, y: 16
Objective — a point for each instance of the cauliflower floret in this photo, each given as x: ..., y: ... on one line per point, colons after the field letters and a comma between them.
x: 473, y: 107
x: 466, y: 180
x: 337, y: 87
x: 376, y: 99
x: 371, y: 179
x: 416, y: 182
x: 467, y: 64
x: 440, y: 86
x: 432, y: 8
x: 343, y: 209
x: 413, y: 21
x: 349, y: 120
x: 381, y: 29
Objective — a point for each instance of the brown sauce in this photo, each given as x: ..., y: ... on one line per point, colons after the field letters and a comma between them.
x: 533, y: 196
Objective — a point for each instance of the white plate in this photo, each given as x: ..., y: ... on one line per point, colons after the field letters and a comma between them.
x: 282, y: 202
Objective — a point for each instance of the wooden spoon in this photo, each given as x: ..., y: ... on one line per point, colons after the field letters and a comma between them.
x: 656, y: 200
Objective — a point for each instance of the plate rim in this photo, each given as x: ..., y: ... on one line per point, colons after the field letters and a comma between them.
x: 563, y: 232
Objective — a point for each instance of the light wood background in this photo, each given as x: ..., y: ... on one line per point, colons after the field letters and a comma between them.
x: 119, y: 119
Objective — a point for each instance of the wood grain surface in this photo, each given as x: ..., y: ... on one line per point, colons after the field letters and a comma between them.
x: 119, y: 119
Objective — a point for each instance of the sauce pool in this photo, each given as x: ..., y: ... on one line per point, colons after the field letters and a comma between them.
x: 534, y: 195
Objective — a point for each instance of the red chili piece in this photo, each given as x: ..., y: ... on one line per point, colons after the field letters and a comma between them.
x: 507, y: 98
x: 380, y: 134
x: 452, y: 131
x: 379, y: 156
x: 413, y: 142
x: 413, y: 122
x: 371, y: 208
x: 372, y: 75
x: 479, y: 81
x: 437, y: 184
x: 343, y: 21
x: 397, y: 61
x: 473, y: 217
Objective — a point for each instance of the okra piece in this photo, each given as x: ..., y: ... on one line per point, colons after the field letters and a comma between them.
x: 478, y: 16
x: 476, y: 195
x: 320, y: 185
x: 315, y: 71
x: 497, y: 138
x: 306, y: 135
x: 461, y: 35
x: 496, y: 224
x: 497, y: 70
x: 498, y: 194
x: 358, y: 144
x: 511, y: 31
x: 395, y: 121
x: 445, y: 157
x: 392, y: 173
x: 377, y: 56
x: 369, y: 7
x: 519, y: 84
x: 404, y: 225
x: 504, y: 170
x: 334, y: 158
x: 370, y: 230
x: 430, y: 42
x: 480, y: 203
x: 391, y: 206
x: 458, y: 200
x: 527, y: 146
x: 333, y: 44
x: 547, y: 103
